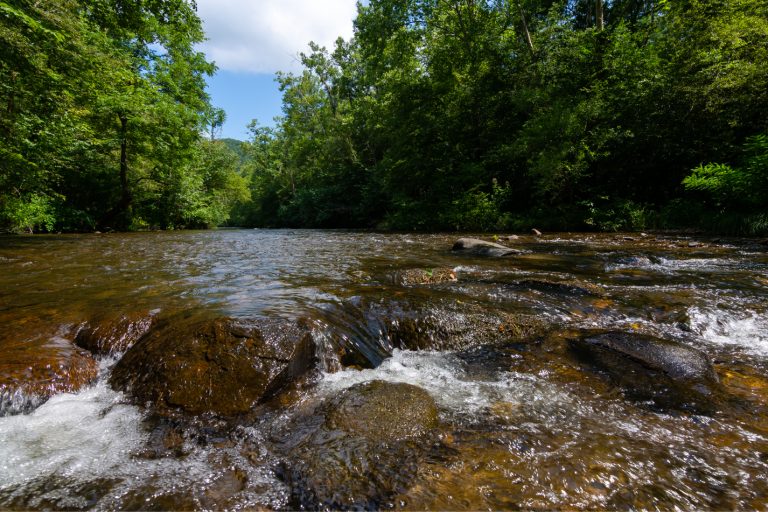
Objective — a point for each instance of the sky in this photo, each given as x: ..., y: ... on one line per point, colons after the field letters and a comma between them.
x: 250, y: 40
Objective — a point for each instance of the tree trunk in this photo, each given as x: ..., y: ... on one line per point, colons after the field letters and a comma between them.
x: 599, y: 14
x: 119, y: 216
x: 125, y: 197
x: 525, y: 27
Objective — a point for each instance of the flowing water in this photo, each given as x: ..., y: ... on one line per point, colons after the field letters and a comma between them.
x: 520, y: 424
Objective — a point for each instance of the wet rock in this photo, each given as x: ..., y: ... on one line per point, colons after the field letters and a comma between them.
x: 671, y: 374
x: 416, y: 276
x: 223, y: 492
x: 219, y: 366
x: 536, y: 232
x: 571, y: 287
x: 363, y: 333
x: 384, y: 411
x: 166, y: 440
x: 478, y: 247
x: 461, y: 328
x: 155, y: 498
x: 364, y: 448
x: 33, y: 371
x: 57, y: 493
x: 113, y: 332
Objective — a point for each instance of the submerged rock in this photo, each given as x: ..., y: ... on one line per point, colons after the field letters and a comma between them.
x: 364, y: 446
x: 112, y: 332
x: 219, y: 366
x: 570, y: 287
x: 31, y: 372
x: 669, y: 373
x: 416, y: 276
x: 478, y: 247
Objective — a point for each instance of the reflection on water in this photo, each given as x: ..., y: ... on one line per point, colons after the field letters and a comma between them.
x: 519, y: 428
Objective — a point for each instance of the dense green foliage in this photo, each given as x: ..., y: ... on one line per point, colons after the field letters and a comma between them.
x: 437, y: 114
x: 738, y: 194
x: 102, y: 103
x: 496, y: 114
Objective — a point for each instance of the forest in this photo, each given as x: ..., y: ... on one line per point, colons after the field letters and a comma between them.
x: 469, y: 115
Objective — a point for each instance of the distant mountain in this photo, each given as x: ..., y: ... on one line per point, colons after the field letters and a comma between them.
x: 236, y: 146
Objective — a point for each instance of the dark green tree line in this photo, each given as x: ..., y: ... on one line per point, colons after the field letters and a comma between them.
x: 494, y: 114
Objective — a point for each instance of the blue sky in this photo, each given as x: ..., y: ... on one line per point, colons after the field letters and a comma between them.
x: 250, y: 40
x: 245, y: 96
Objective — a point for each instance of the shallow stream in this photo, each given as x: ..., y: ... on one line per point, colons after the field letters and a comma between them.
x: 520, y: 424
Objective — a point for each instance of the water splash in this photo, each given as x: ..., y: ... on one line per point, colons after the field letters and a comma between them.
x: 77, y: 436
x: 667, y: 265
x: 746, y: 329
x: 456, y: 390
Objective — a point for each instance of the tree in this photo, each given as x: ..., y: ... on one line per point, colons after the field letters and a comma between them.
x: 494, y: 114
x: 104, y: 104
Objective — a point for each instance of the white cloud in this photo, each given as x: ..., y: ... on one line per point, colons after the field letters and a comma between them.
x: 265, y: 36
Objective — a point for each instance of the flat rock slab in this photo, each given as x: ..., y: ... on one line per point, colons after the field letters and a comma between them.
x: 221, y: 366
x: 477, y: 247
x: 678, y: 361
x: 667, y: 372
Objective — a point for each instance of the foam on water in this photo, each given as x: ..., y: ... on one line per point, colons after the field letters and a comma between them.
x: 445, y: 377
x: 665, y: 265
x: 74, y: 441
x: 746, y: 329
x: 79, y: 436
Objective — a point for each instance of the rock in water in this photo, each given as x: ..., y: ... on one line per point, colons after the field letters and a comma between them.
x: 33, y: 371
x: 109, y: 333
x: 364, y: 447
x: 478, y: 247
x: 569, y: 287
x: 219, y: 366
x: 384, y: 411
x: 417, y: 276
x: 648, y: 368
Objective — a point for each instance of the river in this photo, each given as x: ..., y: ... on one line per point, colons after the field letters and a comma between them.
x: 521, y: 422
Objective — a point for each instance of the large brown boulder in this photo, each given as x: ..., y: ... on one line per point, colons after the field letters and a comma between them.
x: 359, y: 448
x: 32, y: 371
x: 383, y: 411
x: 112, y: 332
x: 477, y: 247
x: 217, y: 365
x: 667, y: 372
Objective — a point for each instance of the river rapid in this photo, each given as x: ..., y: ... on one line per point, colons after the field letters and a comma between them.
x: 494, y: 345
